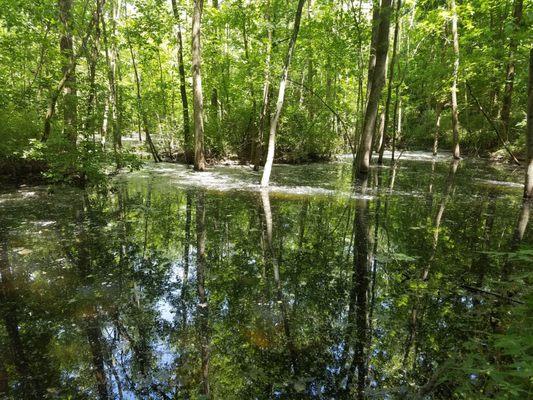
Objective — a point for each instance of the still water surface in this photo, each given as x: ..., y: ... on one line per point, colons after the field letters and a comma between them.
x: 174, y: 285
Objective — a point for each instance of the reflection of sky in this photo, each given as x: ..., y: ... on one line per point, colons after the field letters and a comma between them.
x: 37, y: 243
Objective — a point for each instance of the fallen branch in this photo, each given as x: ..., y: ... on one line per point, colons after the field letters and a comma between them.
x: 346, y: 135
x: 491, y: 122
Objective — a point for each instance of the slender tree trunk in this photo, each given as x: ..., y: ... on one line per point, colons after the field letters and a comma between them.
x: 391, y: 81
x: 70, y: 99
x: 438, y: 111
x: 396, y: 123
x: 250, y: 129
x: 140, y: 108
x: 52, y: 103
x: 198, y: 99
x: 528, y: 186
x: 92, y: 58
x: 111, y: 60
x: 183, y: 90
x: 455, y: 112
x: 258, y: 144
x: 281, y: 96
x: 215, y: 101
x: 505, y: 114
x: 373, y: 45
x: 364, y: 150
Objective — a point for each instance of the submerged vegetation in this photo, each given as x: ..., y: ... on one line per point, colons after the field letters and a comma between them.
x: 170, y: 256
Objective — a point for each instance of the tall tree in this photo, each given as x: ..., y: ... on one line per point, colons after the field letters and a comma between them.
x: 111, y: 55
x: 362, y: 161
x: 509, y: 79
x: 140, y: 107
x: 392, y: 64
x: 70, y: 98
x: 528, y: 187
x: 183, y: 90
x: 373, y: 45
x: 257, y: 151
x: 67, y: 72
x: 198, y: 98
x: 455, y: 111
x: 281, y: 96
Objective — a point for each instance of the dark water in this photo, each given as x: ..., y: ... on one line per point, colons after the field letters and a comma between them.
x: 174, y: 285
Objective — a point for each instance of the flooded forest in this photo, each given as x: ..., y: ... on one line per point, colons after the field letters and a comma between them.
x: 266, y: 199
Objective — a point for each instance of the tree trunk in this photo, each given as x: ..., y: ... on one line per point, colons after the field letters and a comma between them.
x: 92, y: 59
x: 183, y: 90
x: 51, y: 108
x: 373, y: 45
x: 364, y: 150
x: 391, y: 80
x: 258, y: 145
x: 509, y: 80
x: 140, y: 108
x: 528, y: 186
x: 250, y: 129
x: 281, y: 96
x: 455, y: 112
x: 70, y: 99
x: 111, y: 60
x: 198, y: 99
x: 438, y: 111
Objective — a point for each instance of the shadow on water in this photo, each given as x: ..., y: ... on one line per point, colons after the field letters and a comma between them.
x: 175, y: 285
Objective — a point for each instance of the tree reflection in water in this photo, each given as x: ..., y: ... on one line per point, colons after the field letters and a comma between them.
x: 149, y: 291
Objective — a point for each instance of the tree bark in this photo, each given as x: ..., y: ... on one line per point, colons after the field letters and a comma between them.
x: 140, y: 107
x: 373, y: 45
x: 364, y: 150
x: 281, y: 96
x: 183, y: 90
x: 111, y: 60
x: 198, y: 99
x: 455, y: 112
x: 391, y: 81
x: 438, y: 111
x: 528, y: 186
x: 505, y: 114
x: 70, y: 99
x: 258, y: 143
x: 52, y: 103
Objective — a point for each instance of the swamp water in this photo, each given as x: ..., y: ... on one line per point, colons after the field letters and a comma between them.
x: 175, y: 285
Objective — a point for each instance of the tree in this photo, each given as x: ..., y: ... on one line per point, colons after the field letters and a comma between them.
x: 70, y: 98
x: 183, y: 90
x: 510, y: 73
x: 362, y: 160
x: 455, y: 111
x: 257, y: 150
x: 390, y: 83
x: 528, y: 186
x: 140, y: 108
x: 198, y: 99
x: 281, y: 96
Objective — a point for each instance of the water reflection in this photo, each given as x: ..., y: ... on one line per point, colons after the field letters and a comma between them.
x: 151, y: 291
